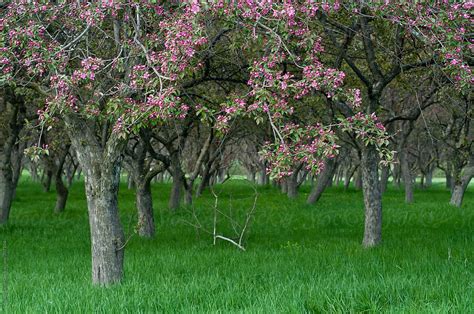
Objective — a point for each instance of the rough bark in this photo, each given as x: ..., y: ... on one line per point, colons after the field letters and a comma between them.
x: 461, y: 185
x: 322, y: 181
x: 12, y: 124
x: 102, y: 184
x: 101, y: 166
x: 372, y: 197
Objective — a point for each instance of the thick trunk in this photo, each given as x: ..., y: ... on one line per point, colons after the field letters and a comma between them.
x: 6, y: 193
x: 407, y: 177
x: 322, y: 182
x: 146, y: 220
x: 102, y: 184
x: 372, y: 197
x: 101, y: 167
x: 460, y: 187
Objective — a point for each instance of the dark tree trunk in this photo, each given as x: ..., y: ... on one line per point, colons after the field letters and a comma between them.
x: 407, y: 177
x: 6, y: 191
x: 188, y: 194
x: 146, y: 220
x: 61, y: 190
x: 358, y: 179
x: 206, y: 176
x: 449, y: 177
x: 322, y: 181
x: 372, y: 197
x: 48, y: 180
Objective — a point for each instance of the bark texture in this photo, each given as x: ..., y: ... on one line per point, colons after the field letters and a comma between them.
x: 322, y: 181
x: 372, y: 197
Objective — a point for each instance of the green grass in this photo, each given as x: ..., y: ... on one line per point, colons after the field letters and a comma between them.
x: 299, y: 258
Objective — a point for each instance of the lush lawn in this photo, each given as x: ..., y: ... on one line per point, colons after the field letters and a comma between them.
x: 299, y: 258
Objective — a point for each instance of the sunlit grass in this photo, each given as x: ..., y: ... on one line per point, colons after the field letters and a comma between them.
x: 299, y: 258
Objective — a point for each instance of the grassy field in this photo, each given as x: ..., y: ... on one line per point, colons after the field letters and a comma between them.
x: 299, y: 258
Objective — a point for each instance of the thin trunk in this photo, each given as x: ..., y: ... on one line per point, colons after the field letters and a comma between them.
x: 429, y: 178
x: 322, y: 181
x: 48, y: 180
x: 407, y: 178
x: 61, y: 189
x: 385, y: 173
x: 449, y: 177
x: 372, y: 197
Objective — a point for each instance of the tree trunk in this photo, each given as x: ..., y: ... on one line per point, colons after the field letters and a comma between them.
x: 146, y: 220
x: 6, y: 192
x: 61, y: 189
x: 460, y: 186
x: 263, y: 178
x: 429, y: 178
x: 102, y: 185
x: 449, y: 177
x: 48, y: 180
x: 322, y: 181
x: 372, y: 197
x: 407, y: 178
x: 101, y: 167
x: 188, y: 194
x: 292, y: 186
x: 385, y: 173
x: 358, y: 179
x: 284, y: 186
